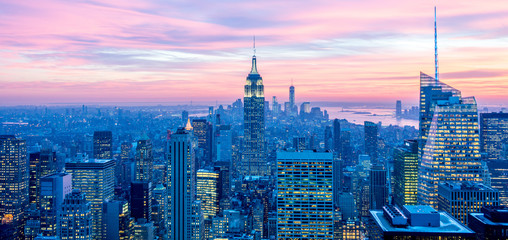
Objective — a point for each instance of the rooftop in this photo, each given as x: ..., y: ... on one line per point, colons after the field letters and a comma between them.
x: 447, y: 224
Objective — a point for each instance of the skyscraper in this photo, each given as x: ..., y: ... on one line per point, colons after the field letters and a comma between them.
x: 405, y: 173
x: 378, y: 187
x: 95, y: 178
x: 41, y: 163
x: 371, y: 144
x: 144, y: 160
x: 75, y: 217
x: 141, y: 200
x: 398, y: 109
x: 118, y: 221
x: 494, y: 135
x: 254, y: 152
x: 181, y: 184
x: 203, y: 131
x: 102, y: 145
x: 328, y: 138
x: 13, y: 182
x: 304, y: 195
x: 207, y: 192
x: 452, y: 146
x: 54, y: 188
x: 337, y: 143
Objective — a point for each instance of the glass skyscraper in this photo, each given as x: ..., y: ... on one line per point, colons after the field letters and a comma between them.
x: 494, y: 135
x: 405, y: 173
x: 254, y: 154
x: 102, y: 145
x: 450, y: 136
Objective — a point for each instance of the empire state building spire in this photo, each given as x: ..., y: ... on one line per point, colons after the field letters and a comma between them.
x: 254, y: 69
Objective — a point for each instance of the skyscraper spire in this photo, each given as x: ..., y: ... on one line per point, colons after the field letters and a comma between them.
x: 254, y: 44
x: 254, y: 69
x: 435, y: 46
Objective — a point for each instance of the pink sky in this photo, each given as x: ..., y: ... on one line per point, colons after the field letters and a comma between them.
x: 60, y: 51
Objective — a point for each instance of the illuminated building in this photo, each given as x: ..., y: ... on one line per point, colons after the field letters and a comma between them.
x: 160, y: 210
x: 13, y: 181
x: 54, y: 188
x: 75, y: 217
x: 494, y: 135
x: 461, y: 198
x: 405, y: 173
x: 102, y: 145
x: 143, y: 230
x: 371, y: 141
x: 144, y: 160
x: 254, y: 152
x: 224, y: 144
x: 203, y: 131
x: 181, y: 184
x: 415, y: 222
x: 498, y: 170
x: 207, y: 192
x: 305, y: 195
x: 95, y: 178
x: 40, y: 164
x: 452, y: 149
x: 118, y: 221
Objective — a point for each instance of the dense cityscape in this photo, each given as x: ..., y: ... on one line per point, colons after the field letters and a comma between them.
x: 256, y: 169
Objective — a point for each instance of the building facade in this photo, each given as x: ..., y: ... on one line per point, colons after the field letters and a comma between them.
x: 405, y: 173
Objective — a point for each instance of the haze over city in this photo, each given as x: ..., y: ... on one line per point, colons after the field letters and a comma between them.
x: 177, y: 51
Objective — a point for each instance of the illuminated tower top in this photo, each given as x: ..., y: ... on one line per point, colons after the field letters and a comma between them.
x: 435, y: 46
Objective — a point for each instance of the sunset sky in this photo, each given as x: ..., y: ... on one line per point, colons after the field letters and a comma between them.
x: 78, y: 51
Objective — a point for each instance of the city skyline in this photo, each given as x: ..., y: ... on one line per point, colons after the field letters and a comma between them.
x: 146, y: 51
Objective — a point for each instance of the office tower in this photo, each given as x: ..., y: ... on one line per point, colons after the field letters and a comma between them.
x: 207, y: 192
x: 203, y: 131
x: 75, y: 219
x: 41, y: 163
x: 33, y: 223
x: 498, y: 170
x: 292, y: 95
x: 54, y: 188
x: 257, y: 216
x: 494, y: 135
x: 337, y: 143
x: 254, y: 149
x: 181, y: 184
x: 118, y: 222
x: 491, y: 223
x: 299, y: 143
x: 337, y: 179
x: 102, y: 145
x: 95, y: 178
x: 197, y: 221
x: 144, y: 160
x: 144, y: 230
x: 371, y: 147
x: 347, y: 205
x: 160, y: 211
x: 398, y: 109
x: 416, y: 222
x: 452, y: 148
x: 141, y: 200
x: 378, y: 187
x: 346, y: 152
x: 305, y: 191
x: 405, y: 173
x: 275, y: 107
x: 328, y: 138
x: 461, y: 198
x: 224, y: 144
x: 13, y: 181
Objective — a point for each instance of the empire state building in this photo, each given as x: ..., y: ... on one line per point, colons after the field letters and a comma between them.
x: 254, y: 153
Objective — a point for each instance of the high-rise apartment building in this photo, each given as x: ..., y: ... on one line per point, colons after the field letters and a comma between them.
x: 75, y: 219
x: 13, y: 182
x: 305, y: 195
x: 494, y: 135
x: 95, y: 178
x: 54, y: 188
x: 102, y: 145
x: 181, y: 183
x: 254, y: 153
x: 371, y: 140
x: 461, y: 198
x: 405, y: 173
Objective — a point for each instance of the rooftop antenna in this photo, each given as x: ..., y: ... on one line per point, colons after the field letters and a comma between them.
x: 291, y: 82
x: 435, y: 46
x: 254, y: 44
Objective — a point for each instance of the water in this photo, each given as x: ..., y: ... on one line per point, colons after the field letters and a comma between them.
x: 359, y: 115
